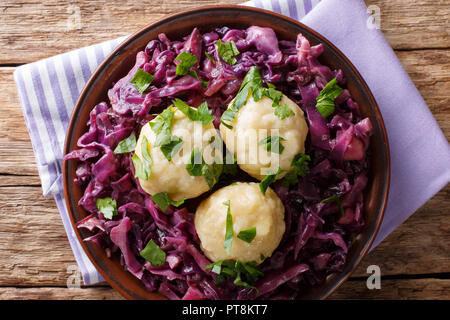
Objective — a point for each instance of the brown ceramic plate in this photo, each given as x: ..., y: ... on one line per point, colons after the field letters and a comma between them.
x: 206, y: 18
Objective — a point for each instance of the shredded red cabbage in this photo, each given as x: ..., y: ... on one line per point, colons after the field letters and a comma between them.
x: 317, y: 235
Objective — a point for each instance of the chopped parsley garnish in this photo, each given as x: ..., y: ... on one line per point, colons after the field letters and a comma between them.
x: 283, y: 111
x: 227, y: 51
x: 273, y: 94
x: 107, y: 207
x: 299, y: 165
x: 228, y: 228
x: 187, y: 61
x: 336, y: 199
x: 268, y: 180
x: 273, y: 144
x: 126, y: 145
x: 153, y: 254
x: 228, y: 115
x: 142, y: 80
x: 325, y: 100
x: 142, y: 168
x: 163, y: 201
x: 253, y: 84
x: 210, y: 57
x: 161, y: 125
x: 243, y: 273
x: 202, y: 114
x: 170, y: 149
x: 198, y: 167
x: 193, y: 74
x: 247, y: 235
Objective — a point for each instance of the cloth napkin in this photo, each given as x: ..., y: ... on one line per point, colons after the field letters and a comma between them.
x: 420, y: 153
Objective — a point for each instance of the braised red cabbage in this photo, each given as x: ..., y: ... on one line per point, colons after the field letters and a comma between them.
x: 317, y: 236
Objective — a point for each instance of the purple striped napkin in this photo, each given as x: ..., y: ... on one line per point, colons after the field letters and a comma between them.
x: 420, y: 153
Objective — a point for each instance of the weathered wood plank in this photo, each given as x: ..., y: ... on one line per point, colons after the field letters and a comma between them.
x: 418, y: 245
x: 401, y: 289
x: 410, y: 24
x: 422, y: 289
x: 430, y: 72
x: 40, y: 293
x: 34, y: 250
x: 33, y: 29
x: 16, y: 152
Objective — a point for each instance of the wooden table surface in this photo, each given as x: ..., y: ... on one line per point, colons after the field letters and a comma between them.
x: 36, y: 261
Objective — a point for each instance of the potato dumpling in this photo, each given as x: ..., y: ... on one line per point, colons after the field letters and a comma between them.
x: 171, y: 176
x: 256, y: 121
x: 249, y: 208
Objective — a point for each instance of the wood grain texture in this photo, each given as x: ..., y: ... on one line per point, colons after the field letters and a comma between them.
x: 102, y: 293
x: 422, y: 289
x: 412, y: 24
x: 35, y: 255
x: 35, y: 29
x: 417, y: 289
x: 16, y: 151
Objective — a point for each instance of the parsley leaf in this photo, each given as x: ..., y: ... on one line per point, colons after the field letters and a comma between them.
x: 338, y: 201
x: 325, y: 100
x: 283, y: 111
x: 126, y: 145
x: 228, y: 228
x: 273, y: 144
x: 268, y: 180
x: 195, y: 164
x: 252, y: 83
x: 168, y: 143
x: 228, y: 115
x: 198, y: 167
x: 142, y: 168
x: 170, y: 149
x: 138, y: 168
x: 142, y: 80
x: 163, y: 201
x: 210, y: 57
x: 243, y: 273
x: 274, y: 95
x: 161, y: 126
x: 299, y: 165
x: 202, y: 114
x: 153, y: 254
x: 209, y: 175
x: 147, y: 159
x: 107, y: 207
x: 187, y: 61
x: 227, y: 51
x: 247, y: 235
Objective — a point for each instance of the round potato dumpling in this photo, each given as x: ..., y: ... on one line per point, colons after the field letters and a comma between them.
x: 256, y: 121
x: 172, y: 176
x: 249, y: 208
